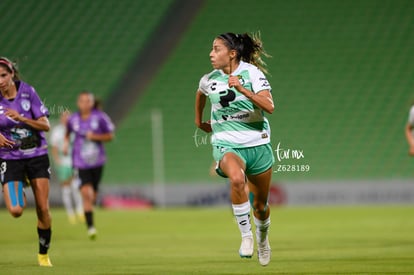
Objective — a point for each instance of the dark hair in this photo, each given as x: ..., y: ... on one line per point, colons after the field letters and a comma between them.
x: 10, y: 67
x: 249, y: 48
x: 97, y: 103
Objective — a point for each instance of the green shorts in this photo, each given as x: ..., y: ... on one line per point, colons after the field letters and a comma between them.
x: 257, y: 159
x: 63, y: 172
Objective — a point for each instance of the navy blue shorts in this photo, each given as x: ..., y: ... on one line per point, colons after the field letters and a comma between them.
x: 24, y: 169
x: 91, y: 176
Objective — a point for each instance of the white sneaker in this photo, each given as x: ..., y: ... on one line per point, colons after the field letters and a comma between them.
x: 264, y: 252
x: 92, y: 233
x: 246, y: 247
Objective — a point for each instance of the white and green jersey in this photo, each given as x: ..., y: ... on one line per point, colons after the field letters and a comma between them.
x: 236, y: 121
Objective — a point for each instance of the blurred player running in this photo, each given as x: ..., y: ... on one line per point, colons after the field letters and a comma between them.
x: 72, y: 200
x: 91, y: 127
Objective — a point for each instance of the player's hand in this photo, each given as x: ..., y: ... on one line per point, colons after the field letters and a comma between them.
x: 411, y: 151
x: 65, y: 148
x: 234, y: 82
x: 4, y: 142
x: 90, y: 135
x: 13, y: 114
x: 57, y: 161
x: 206, y: 127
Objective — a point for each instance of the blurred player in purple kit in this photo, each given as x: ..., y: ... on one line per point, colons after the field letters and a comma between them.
x: 23, y: 151
x: 72, y: 200
x: 91, y: 127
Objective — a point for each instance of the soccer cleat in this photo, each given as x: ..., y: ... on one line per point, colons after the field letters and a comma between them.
x: 72, y: 219
x: 92, y: 233
x: 81, y: 217
x: 264, y: 252
x: 246, y: 247
x: 44, y: 260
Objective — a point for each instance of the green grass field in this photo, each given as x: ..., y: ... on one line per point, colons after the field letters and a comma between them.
x: 317, y: 240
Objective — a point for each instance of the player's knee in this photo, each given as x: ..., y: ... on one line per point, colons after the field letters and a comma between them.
x: 16, y: 211
x: 43, y: 212
x: 238, y: 182
x: 16, y: 198
x: 260, y: 207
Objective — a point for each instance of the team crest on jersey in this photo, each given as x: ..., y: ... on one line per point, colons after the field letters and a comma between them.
x: 25, y: 104
x: 76, y: 125
x: 241, y: 80
x: 43, y: 109
x: 94, y: 124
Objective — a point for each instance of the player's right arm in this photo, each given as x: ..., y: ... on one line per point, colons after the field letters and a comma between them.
x: 66, y: 141
x: 200, y: 103
x: 410, y: 138
x: 54, y: 146
x: 4, y: 142
x: 409, y: 132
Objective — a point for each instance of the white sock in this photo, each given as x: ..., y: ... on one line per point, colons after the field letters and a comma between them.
x: 262, y: 228
x: 77, y: 197
x: 67, y: 201
x: 242, y: 214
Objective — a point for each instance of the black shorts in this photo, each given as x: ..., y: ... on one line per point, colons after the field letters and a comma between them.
x: 91, y: 176
x: 23, y: 169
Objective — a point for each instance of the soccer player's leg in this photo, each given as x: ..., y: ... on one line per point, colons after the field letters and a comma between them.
x: 259, y: 191
x: 64, y: 174
x: 88, y: 196
x: 12, y: 180
x: 14, y: 197
x: 233, y: 167
x: 40, y: 187
x: 77, y: 197
x: 87, y: 179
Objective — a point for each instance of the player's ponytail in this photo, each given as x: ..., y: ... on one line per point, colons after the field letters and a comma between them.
x: 10, y: 67
x: 249, y: 48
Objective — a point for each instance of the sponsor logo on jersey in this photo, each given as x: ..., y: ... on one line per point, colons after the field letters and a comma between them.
x: 213, y: 86
x: 265, y: 83
x: 236, y: 117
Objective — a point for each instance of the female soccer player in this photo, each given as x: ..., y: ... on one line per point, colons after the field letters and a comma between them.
x: 240, y: 94
x: 91, y: 127
x: 23, y: 151
x: 63, y: 166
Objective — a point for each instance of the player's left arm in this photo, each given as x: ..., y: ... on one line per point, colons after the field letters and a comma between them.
x: 262, y: 99
x: 40, y: 124
x: 100, y: 137
x: 108, y: 130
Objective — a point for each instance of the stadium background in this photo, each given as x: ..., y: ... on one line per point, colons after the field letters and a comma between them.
x: 341, y: 74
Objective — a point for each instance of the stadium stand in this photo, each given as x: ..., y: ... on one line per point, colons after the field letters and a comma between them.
x: 341, y: 81
x: 341, y: 74
x: 64, y: 47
